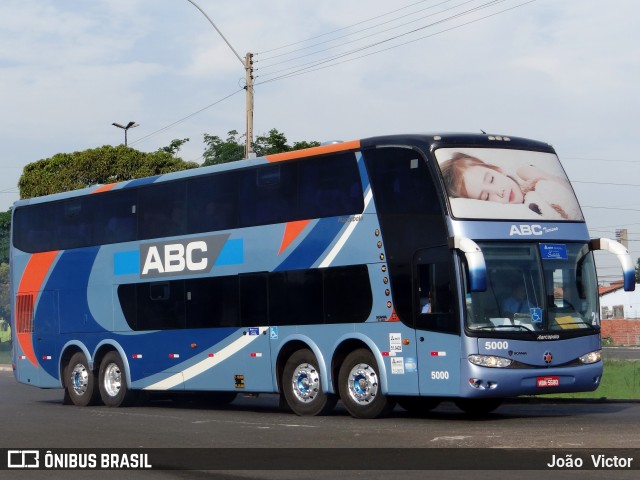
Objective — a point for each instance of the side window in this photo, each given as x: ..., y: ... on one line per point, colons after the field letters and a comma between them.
x: 34, y: 228
x: 254, y: 301
x: 162, y: 210
x: 213, y: 202
x: 160, y: 306
x: 269, y: 195
x: 117, y: 214
x: 330, y: 187
x: 347, y: 294
x: 295, y: 297
x: 434, y: 298
x: 74, y: 223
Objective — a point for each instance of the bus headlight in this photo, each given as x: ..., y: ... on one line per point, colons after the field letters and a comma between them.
x: 489, y: 361
x: 591, y: 357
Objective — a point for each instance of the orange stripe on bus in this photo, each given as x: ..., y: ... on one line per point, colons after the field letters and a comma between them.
x: 104, y: 188
x: 308, y: 152
x: 291, y: 232
x: 34, y: 274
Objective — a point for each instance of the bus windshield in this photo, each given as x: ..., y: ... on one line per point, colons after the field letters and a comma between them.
x: 535, y: 287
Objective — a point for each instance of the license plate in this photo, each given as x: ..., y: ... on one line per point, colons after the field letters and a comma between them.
x: 545, y: 382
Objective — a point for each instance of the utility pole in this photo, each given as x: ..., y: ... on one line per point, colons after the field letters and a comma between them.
x: 248, y: 66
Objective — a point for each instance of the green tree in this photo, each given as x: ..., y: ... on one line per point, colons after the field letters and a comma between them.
x: 222, y: 151
x: 5, y: 305
x: 5, y: 229
x: 107, y: 164
x: 232, y: 149
x: 174, y: 147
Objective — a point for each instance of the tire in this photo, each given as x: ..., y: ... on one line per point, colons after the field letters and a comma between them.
x: 418, y: 405
x: 80, y: 382
x: 478, y: 406
x: 113, y: 382
x: 359, y: 385
x: 302, y: 387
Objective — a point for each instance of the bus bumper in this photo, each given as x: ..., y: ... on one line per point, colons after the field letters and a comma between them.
x: 484, y: 382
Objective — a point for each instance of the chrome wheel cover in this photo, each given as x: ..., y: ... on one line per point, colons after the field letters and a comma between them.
x: 363, y: 384
x: 79, y: 379
x: 112, y: 381
x: 305, y: 383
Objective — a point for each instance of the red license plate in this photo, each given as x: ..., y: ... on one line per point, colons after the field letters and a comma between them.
x: 545, y: 382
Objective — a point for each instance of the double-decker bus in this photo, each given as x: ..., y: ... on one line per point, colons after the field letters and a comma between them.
x: 404, y: 269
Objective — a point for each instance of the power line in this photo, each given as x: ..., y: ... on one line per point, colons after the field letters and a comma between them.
x: 607, y: 183
x: 359, y: 31
x: 317, y: 64
x: 185, y: 118
x: 341, y: 29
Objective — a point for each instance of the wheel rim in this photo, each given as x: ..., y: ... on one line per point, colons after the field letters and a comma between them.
x: 305, y: 382
x: 363, y: 384
x: 112, y: 379
x: 79, y: 379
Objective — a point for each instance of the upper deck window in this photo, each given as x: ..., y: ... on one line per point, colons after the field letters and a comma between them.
x: 493, y: 183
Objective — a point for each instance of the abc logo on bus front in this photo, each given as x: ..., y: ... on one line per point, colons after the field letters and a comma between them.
x: 197, y: 255
x: 525, y: 230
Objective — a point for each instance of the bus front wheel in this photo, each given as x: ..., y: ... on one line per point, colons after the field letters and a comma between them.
x: 302, y: 387
x: 359, y: 385
x: 113, y: 382
x: 80, y: 381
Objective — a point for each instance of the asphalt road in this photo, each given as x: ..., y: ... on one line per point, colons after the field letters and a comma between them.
x: 621, y: 353
x: 35, y: 418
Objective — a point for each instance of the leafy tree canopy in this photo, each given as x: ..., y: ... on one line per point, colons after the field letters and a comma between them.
x: 174, y: 147
x: 232, y: 149
x: 5, y: 229
x: 5, y: 305
x: 107, y: 164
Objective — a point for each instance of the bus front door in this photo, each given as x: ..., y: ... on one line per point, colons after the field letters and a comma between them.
x: 437, y: 330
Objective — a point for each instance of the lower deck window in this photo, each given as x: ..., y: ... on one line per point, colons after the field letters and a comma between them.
x: 298, y: 297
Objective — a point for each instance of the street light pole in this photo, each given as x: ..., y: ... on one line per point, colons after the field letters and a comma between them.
x: 247, y: 63
x: 125, y: 128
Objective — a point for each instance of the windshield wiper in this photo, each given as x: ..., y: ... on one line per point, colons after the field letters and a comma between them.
x: 504, y: 327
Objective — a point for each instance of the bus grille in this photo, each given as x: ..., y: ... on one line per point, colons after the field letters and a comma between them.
x: 24, y: 313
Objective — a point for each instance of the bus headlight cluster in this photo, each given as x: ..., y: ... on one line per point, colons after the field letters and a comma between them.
x: 489, y: 361
x: 591, y: 357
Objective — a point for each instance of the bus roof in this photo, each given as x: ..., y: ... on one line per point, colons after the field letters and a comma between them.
x: 427, y: 141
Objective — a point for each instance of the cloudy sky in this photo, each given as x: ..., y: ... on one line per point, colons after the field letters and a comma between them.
x: 563, y: 71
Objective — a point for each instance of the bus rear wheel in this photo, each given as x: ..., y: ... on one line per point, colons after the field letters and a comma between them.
x: 113, y: 382
x: 80, y: 381
x: 359, y: 385
x: 302, y: 387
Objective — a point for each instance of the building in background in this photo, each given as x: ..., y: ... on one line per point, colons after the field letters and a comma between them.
x: 620, y: 313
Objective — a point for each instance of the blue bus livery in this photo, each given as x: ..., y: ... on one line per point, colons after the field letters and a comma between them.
x: 406, y: 269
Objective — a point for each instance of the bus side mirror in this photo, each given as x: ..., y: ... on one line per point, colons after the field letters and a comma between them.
x: 475, y: 261
x: 619, y: 250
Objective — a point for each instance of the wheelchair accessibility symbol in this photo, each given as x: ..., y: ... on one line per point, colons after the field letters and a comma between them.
x: 274, y: 333
x: 536, y: 315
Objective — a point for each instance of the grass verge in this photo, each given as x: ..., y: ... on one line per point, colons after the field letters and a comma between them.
x: 5, y: 353
x: 620, y: 381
